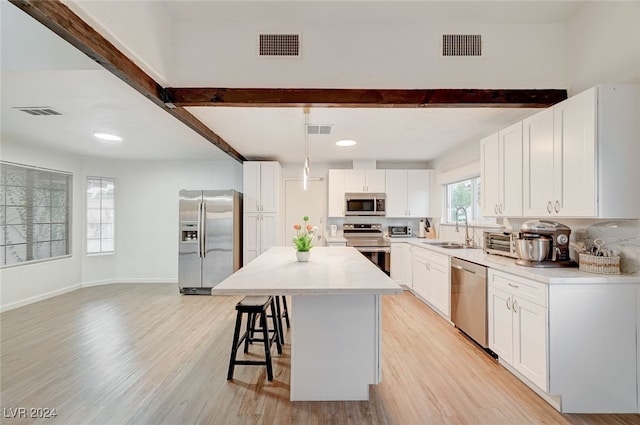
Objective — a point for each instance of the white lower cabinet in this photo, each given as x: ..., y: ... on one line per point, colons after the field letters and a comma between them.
x: 401, y: 264
x: 518, y: 325
x: 431, y: 279
x: 260, y: 234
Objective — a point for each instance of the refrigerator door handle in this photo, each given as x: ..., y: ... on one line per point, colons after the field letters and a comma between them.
x: 203, y: 240
x: 200, y: 229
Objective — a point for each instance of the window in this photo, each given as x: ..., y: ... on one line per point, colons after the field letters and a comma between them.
x: 464, y: 193
x: 35, y: 214
x: 100, y: 215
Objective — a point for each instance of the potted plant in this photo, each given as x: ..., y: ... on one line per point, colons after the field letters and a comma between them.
x: 303, y: 239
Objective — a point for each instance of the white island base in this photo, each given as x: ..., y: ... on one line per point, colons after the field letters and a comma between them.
x: 335, y: 347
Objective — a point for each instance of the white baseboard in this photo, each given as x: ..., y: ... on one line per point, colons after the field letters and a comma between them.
x: 40, y: 297
x: 128, y: 280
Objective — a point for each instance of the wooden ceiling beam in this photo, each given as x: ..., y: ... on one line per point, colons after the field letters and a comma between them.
x: 56, y: 16
x: 367, y: 98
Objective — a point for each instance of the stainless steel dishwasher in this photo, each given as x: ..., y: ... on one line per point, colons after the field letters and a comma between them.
x: 469, y: 299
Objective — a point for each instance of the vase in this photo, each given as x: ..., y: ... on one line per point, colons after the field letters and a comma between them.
x: 303, y: 256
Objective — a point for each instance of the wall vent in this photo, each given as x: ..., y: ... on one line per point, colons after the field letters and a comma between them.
x: 461, y: 45
x: 279, y: 45
x: 323, y: 130
x: 39, y: 110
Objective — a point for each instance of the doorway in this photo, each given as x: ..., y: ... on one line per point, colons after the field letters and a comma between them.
x: 299, y: 202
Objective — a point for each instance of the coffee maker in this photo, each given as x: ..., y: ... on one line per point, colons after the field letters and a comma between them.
x: 543, y: 243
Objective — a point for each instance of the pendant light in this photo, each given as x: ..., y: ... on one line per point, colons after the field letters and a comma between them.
x: 305, y: 170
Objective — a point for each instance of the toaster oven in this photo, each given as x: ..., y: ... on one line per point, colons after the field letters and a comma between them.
x: 500, y: 243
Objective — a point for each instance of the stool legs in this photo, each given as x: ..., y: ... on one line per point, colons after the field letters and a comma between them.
x: 267, y: 344
x: 282, y: 312
x: 285, y: 312
x: 279, y: 321
x: 278, y: 326
x: 234, y: 346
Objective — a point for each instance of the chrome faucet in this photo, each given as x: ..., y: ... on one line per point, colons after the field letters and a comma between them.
x: 468, y: 241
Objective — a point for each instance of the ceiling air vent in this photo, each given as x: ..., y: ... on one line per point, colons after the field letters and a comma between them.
x: 461, y: 45
x: 319, y: 129
x: 279, y: 45
x: 39, y: 110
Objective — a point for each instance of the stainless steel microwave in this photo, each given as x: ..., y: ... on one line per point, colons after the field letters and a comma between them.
x: 364, y: 203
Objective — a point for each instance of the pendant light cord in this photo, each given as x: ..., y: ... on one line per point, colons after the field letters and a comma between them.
x: 305, y: 169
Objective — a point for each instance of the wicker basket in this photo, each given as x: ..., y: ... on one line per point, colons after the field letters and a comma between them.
x: 597, y: 264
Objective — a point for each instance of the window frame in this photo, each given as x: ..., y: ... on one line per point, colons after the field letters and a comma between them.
x: 474, y: 216
x: 59, y: 196
x: 100, y: 223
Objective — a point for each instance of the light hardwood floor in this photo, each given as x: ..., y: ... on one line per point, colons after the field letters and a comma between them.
x: 143, y: 354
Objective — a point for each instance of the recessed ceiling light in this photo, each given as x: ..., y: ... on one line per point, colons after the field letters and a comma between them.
x: 108, y: 137
x: 345, y: 143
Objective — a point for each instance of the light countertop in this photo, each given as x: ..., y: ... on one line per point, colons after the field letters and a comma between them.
x: 331, y: 239
x: 506, y: 264
x: 330, y: 271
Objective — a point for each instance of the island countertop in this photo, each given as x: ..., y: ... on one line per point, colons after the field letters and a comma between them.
x: 330, y: 271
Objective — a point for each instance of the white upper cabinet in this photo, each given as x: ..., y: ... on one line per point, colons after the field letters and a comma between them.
x: 364, y: 180
x: 511, y: 171
x: 261, y: 181
x: 336, y: 193
x: 538, y: 164
x: 501, y: 162
x: 490, y: 175
x: 408, y: 193
x: 581, y: 156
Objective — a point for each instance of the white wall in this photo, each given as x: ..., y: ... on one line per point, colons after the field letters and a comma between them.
x: 146, y: 222
x: 29, y: 283
x: 145, y: 26
x: 603, y: 45
x: 147, y: 212
x: 363, y: 54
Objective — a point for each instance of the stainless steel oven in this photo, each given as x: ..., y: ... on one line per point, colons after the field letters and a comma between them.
x: 365, y: 203
x: 367, y: 238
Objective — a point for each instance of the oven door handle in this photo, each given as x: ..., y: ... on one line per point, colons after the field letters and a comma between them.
x: 373, y: 249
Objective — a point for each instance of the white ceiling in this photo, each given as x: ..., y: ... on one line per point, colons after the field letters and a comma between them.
x: 389, y: 134
x: 91, y: 99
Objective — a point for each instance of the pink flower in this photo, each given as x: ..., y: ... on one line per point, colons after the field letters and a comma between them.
x: 309, y: 227
x: 297, y: 226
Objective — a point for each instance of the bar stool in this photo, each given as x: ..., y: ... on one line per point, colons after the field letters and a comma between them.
x: 254, y: 306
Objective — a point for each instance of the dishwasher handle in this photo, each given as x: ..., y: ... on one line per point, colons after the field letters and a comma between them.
x: 462, y: 268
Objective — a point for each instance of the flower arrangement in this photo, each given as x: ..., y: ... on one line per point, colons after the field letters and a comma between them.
x: 304, y: 237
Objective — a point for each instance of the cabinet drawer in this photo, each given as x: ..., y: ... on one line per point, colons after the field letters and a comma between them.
x: 530, y: 290
x: 437, y: 258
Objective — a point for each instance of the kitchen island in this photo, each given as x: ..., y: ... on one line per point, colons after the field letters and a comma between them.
x: 336, y: 317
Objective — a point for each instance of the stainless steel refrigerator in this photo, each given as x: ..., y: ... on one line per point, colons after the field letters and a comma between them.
x: 210, y: 238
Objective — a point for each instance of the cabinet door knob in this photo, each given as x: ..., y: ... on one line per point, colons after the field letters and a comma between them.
x: 508, y: 303
x: 556, y: 206
x: 500, y: 209
x: 549, y: 207
x: 495, y: 209
x: 515, y: 306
